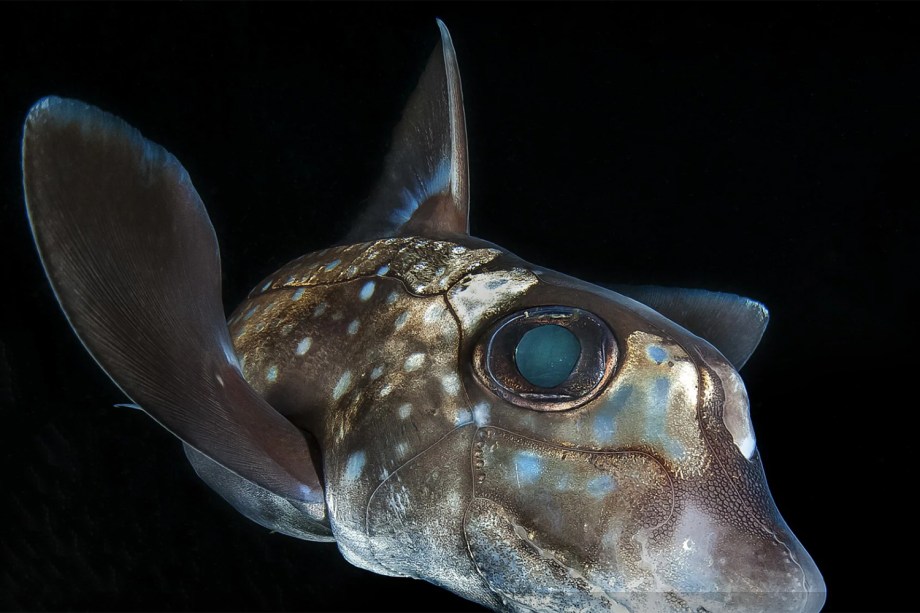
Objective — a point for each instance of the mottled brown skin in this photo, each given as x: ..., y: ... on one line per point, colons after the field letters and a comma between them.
x: 437, y: 446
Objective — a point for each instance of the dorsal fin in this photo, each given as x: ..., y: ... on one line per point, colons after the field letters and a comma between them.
x: 133, y: 260
x: 424, y: 188
x: 733, y: 324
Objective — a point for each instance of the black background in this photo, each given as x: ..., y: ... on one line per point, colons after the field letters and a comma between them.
x: 767, y: 150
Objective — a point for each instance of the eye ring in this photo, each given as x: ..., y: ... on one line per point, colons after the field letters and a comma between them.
x: 495, y: 366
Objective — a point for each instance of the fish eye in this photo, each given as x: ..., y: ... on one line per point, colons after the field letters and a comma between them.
x: 547, y: 354
x: 548, y: 358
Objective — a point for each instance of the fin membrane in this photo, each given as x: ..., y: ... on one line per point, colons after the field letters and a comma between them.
x: 290, y: 517
x: 133, y: 260
x: 424, y: 188
x: 733, y: 324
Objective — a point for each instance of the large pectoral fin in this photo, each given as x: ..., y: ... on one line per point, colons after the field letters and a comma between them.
x: 733, y: 324
x: 134, y: 262
x: 424, y: 188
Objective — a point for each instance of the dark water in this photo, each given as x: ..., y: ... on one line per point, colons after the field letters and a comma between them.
x: 770, y: 151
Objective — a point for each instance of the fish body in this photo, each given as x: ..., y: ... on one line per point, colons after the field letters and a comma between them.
x: 437, y: 406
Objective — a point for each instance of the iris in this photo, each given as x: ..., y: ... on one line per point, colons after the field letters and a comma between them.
x: 546, y: 355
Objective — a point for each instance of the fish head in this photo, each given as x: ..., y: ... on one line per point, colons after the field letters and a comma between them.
x: 565, y: 447
x: 614, y: 462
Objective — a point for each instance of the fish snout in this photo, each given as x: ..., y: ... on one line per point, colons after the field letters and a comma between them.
x: 718, y: 567
x: 809, y: 579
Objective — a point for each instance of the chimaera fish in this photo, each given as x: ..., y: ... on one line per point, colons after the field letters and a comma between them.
x: 437, y: 406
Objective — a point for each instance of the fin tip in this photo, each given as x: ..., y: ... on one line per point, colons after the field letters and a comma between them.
x: 445, y: 33
x: 62, y: 110
x: 761, y: 310
x: 52, y: 114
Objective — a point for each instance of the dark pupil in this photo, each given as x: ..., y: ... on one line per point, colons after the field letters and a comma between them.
x: 546, y: 355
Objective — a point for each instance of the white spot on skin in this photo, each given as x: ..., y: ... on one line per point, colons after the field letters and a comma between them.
x: 342, y: 386
x: 656, y: 354
x: 367, y: 290
x: 375, y: 374
x: 332, y: 265
x: 414, y: 362
x: 354, y: 465
x: 451, y: 384
x: 528, y: 467
x: 402, y: 448
x: 220, y: 380
x: 320, y: 309
x: 463, y: 417
x: 736, y: 411
x: 353, y: 327
x: 250, y: 312
x: 405, y: 410
x: 393, y: 297
x: 298, y: 294
x: 383, y: 270
x: 481, y: 413
x: 600, y: 486
x: 304, y: 345
x: 747, y: 445
x: 480, y: 296
x: 267, y: 285
x: 401, y: 320
x: 433, y: 313
x: 271, y: 375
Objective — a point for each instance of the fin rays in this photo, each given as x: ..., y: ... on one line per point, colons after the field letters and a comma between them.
x: 424, y: 187
x: 134, y: 263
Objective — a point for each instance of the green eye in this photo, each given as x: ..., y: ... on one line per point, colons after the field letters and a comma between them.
x: 546, y: 355
x: 546, y: 358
